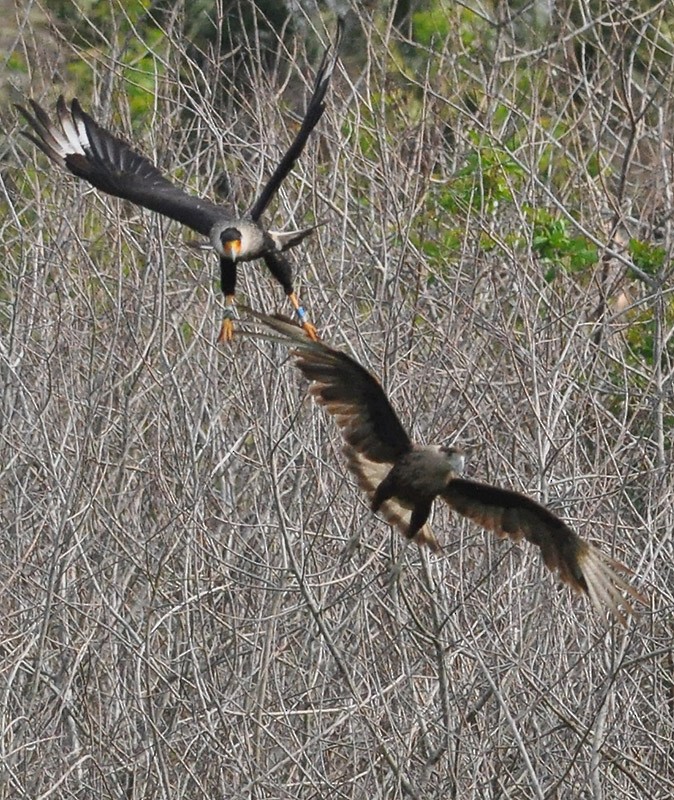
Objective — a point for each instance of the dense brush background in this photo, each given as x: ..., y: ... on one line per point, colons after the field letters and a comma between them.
x: 195, y: 598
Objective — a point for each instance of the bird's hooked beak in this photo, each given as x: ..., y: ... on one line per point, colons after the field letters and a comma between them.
x: 231, y: 249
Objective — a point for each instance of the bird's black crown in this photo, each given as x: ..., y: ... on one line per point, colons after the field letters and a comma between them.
x: 230, y: 235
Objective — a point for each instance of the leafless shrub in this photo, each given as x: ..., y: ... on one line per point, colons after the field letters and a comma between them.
x: 196, y: 599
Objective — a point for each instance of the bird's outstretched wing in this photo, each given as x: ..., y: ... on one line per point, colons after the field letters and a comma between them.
x: 374, y: 436
x: 80, y: 145
x: 314, y: 112
x: 348, y: 391
x: 580, y: 564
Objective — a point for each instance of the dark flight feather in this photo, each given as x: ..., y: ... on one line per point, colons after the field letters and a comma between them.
x: 349, y: 392
x: 78, y: 143
x: 111, y: 165
x: 511, y: 514
x: 312, y: 115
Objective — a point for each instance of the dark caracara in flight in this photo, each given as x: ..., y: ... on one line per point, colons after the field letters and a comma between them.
x: 402, y: 479
x: 79, y: 144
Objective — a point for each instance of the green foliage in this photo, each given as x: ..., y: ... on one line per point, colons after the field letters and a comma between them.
x: 186, y: 332
x: 440, y: 248
x: 648, y: 257
x: 431, y: 25
x: 17, y: 63
x: 557, y: 246
x: 640, y: 338
x: 93, y: 26
x: 486, y: 180
x: 91, y: 23
x: 643, y: 351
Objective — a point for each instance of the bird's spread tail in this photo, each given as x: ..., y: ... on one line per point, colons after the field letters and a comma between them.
x: 284, y: 240
x: 604, y: 586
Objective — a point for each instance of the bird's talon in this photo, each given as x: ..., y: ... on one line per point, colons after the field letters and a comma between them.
x: 311, y: 331
x: 226, y: 331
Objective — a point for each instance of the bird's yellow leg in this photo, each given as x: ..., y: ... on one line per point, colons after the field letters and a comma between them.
x: 309, y: 328
x: 227, y: 327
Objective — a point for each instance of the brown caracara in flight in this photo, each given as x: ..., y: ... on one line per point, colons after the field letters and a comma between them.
x: 402, y: 479
x: 79, y: 144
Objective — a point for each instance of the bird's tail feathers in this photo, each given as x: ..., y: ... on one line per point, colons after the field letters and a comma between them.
x: 605, y: 587
x: 284, y: 240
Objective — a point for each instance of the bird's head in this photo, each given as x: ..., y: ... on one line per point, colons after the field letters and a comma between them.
x: 230, y: 241
x: 455, y: 457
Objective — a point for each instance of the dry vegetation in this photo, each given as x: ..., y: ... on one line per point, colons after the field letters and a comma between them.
x: 195, y: 598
